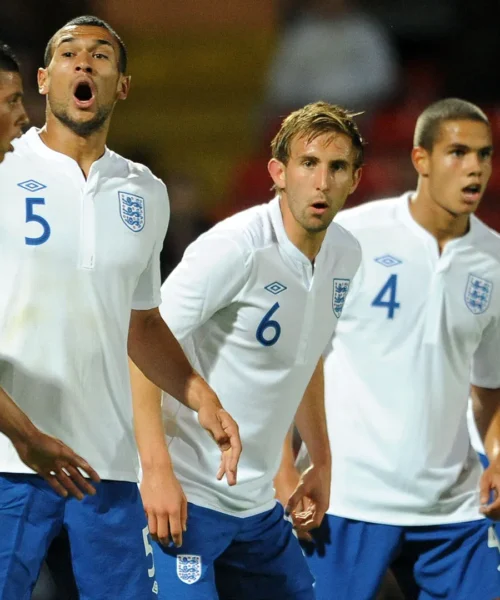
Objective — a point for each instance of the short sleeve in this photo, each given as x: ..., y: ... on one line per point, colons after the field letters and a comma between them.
x: 212, y: 272
x: 486, y: 361
x: 147, y: 291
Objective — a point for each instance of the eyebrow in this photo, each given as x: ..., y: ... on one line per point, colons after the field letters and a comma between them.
x: 466, y: 148
x: 69, y: 38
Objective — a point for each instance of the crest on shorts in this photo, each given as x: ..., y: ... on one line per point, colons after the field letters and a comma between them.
x: 340, y: 289
x: 478, y: 294
x: 188, y: 568
x: 132, y: 210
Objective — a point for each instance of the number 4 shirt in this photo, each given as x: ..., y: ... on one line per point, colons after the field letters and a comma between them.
x: 76, y: 256
x: 254, y: 317
x: 416, y: 329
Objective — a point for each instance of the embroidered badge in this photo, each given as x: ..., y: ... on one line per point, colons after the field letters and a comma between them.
x: 478, y: 294
x: 340, y: 289
x: 132, y: 211
x: 188, y: 568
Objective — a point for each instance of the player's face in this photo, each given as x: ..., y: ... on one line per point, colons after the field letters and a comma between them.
x: 318, y: 178
x: 459, y: 166
x: 83, y: 82
x: 13, y: 116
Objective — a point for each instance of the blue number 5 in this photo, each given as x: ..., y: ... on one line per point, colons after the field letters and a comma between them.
x: 30, y: 217
x: 389, y: 293
x: 268, y: 323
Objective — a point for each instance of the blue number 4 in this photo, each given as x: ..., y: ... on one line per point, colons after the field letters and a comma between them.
x: 32, y: 217
x: 386, y: 298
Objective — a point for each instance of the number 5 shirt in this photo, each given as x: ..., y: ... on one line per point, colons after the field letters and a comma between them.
x: 417, y: 328
x: 254, y: 317
x: 76, y: 256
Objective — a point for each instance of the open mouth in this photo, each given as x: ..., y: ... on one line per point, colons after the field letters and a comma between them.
x: 320, y: 205
x: 83, y: 94
x: 471, y: 192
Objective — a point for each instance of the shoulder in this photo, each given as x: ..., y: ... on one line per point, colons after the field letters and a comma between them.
x: 486, y: 239
x: 250, y: 229
x: 136, y: 173
x: 375, y: 214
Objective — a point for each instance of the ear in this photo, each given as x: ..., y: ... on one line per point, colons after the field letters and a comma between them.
x: 356, y: 178
x: 123, y: 87
x: 43, y: 83
x: 277, y: 171
x: 420, y: 159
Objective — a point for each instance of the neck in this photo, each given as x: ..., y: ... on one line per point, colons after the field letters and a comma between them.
x: 309, y: 243
x: 440, y: 223
x: 83, y: 150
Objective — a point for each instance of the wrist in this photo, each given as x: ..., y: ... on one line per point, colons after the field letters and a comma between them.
x: 156, y: 461
x: 200, y: 395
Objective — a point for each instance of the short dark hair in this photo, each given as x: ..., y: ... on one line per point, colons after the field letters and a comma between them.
x: 8, y: 60
x: 450, y: 109
x: 90, y: 21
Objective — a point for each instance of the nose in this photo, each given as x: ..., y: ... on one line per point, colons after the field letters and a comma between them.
x: 474, y: 164
x: 83, y: 63
x: 322, y: 178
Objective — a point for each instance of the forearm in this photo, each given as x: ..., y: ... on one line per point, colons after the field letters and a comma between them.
x: 287, y: 464
x: 156, y: 352
x: 148, y: 421
x: 14, y: 423
x: 311, y: 419
x: 486, y: 406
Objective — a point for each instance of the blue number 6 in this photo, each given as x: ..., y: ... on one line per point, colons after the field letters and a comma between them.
x: 268, y: 323
x: 30, y: 217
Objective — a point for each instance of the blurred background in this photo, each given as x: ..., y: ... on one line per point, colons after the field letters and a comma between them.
x: 211, y: 80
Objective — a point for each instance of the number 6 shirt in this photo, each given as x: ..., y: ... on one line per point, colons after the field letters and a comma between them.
x: 417, y: 328
x: 76, y: 255
x: 254, y: 317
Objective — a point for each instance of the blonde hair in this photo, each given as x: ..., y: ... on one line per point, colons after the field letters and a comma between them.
x: 312, y: 121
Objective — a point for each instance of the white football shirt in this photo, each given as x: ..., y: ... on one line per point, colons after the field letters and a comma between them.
x: 77, y: 256
x: 254, y: 317
x: 417, y: 327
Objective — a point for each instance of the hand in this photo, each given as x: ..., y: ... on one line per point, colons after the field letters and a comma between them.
x: 490, y: 486
x: 57, y: 464
x: 165, y: 504
x: 310, y: 500
x: 224, y: 431
x: 285, y: 484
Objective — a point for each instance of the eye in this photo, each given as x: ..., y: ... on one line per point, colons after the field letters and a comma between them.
x: 485, y: 154
x: 308, y: 163
x: 340, y: 166
x: 100, y: 55
x: 458, y: 153
x: 68, y: 54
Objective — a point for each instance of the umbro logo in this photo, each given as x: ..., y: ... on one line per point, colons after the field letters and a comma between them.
x: 31, y: 185
x: 275, y: 288
x: 388, y: 261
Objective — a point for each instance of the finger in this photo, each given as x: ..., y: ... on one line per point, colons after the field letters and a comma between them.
x: 66, y: 481
x: 184, y: 513
x: 232, y: 431
x: 153, y: 525
x: 484, y: 489
x: 493, y: 506
x: 305, y: 536
x: 294, y: 499
x: 176, y: 528
x: 55, y: 485
x: 225, y: 469
x: 84, y: 466
x: 80, y: 481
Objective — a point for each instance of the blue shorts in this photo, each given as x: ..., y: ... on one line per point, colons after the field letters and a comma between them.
x: 232, y: 558
x: 448, y: 562
x: 108, y: 536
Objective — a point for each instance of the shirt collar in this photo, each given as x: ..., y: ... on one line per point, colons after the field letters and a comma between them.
x: 406, y: 217
x: 35, y: 142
